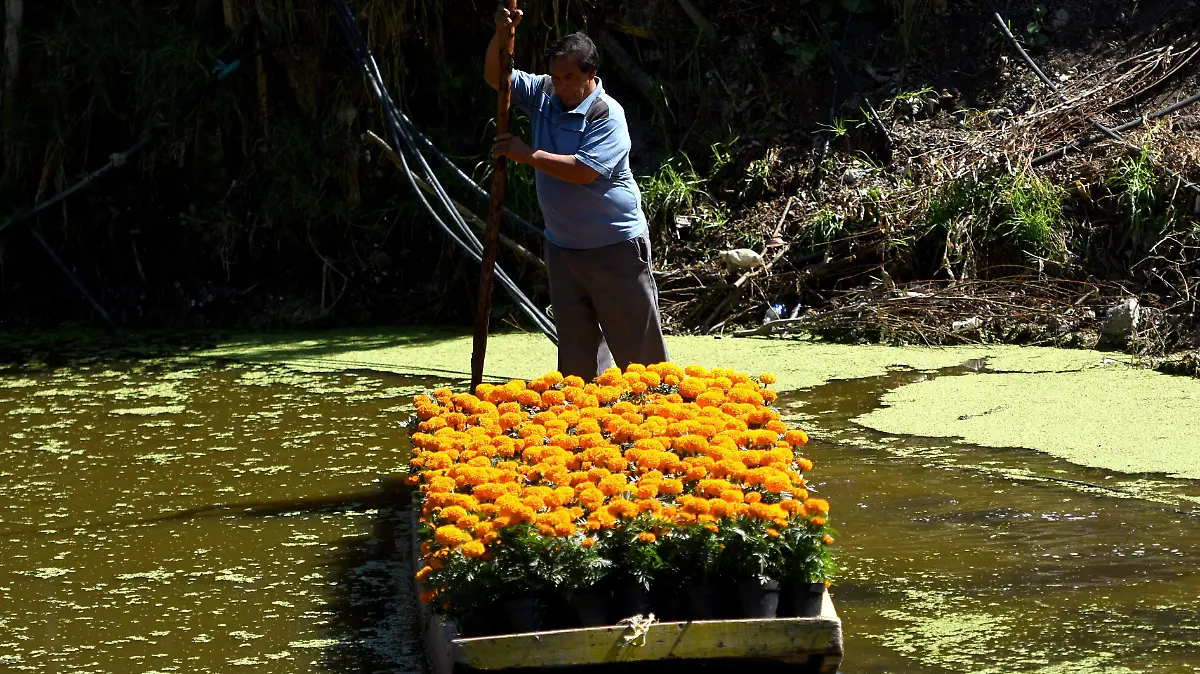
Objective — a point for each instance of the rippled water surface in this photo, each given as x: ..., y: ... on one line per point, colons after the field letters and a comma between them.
x: 187, y: 515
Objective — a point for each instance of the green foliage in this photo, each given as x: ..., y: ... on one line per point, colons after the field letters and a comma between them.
x: 1033, y: 215
x: 1139, y: 192
x: 808, y: 559
x: 576, y: 566
x: 634, y: 558
x: 752, y: 549
x: 677, y: 190
x: 693, y: 553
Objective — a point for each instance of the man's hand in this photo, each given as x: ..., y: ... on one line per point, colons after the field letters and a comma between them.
x: 508, y: 145
x: 506, y: 21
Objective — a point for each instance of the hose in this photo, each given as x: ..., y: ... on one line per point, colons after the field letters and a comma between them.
x: 401, y: 131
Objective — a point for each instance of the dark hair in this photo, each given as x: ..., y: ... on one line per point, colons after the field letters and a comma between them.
x: 579, y: 45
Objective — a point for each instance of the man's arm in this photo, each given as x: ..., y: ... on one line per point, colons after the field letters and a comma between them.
x: 491, y: 62
x: 562, y: 166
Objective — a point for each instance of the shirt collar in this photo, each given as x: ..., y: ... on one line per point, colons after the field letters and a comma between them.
x: 586, y: 104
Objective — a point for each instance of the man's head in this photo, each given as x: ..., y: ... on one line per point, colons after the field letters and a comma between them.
x: 574, y: 61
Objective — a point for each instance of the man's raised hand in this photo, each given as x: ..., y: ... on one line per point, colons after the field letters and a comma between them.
x: 506, y: 20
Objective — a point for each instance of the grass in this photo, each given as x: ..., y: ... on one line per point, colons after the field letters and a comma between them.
x: 677, y: 190
x: 1137, y: 187
x: 1034, y: 215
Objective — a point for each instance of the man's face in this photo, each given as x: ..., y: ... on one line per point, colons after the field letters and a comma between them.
x: 570, y: 83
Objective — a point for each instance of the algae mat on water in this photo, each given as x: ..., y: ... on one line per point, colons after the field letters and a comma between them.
x: 1117, y: 418
x: 1087, y: 407
x: 798, y: 363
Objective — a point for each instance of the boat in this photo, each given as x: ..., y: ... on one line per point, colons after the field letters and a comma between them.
x: 809, y: 645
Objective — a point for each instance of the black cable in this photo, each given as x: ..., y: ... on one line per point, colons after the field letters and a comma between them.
x: 1091, y: 140
x: 465, y: 238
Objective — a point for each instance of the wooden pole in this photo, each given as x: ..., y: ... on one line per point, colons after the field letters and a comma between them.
x: 496, y: 210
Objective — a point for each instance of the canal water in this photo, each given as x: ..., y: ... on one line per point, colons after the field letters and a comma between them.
x: 177, y: 513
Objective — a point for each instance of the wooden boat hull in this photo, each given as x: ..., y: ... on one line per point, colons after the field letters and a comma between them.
x: 801, y: 645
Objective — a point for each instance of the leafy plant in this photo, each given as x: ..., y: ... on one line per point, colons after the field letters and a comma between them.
x: 753, y: 549
x: 677, y: 190
x: 801, y: 53
x: 694, y: 553
x: 808, y: 559
x: 1035, y: 209
x: 578, y: 563
x: 1137, y: 186
x: 634, y: 548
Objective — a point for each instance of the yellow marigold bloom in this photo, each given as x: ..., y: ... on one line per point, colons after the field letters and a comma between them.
x: 555, y: 377
x: 591, y: 498
x: 692, y: 387
x: 539, y: 386
x: 450, y: 536
x: 647, y: 490
x: 452, y: 514
x: 767, y: 378
x: 733, y: 496
x: 623, y: 508
x: 424, y: 574
x: 573, y: 382
x: 695, y: 371
x: 439, y: 484
x: 588, y: 542
x: 646, y: 537
x: 614, y: 484
x: 772, y: 533
x: 817, y: 505
x: 796, y: 437
x: 818, y: 521
x: 804, y: 464
x: 473, y: 549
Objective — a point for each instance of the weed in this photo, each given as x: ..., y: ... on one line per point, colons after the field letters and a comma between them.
x: 677, y: 190
x: 1136, y: 184
x: 1034, y: 212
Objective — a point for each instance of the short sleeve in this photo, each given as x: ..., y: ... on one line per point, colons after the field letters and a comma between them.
x: 605, y: 143
x: 525, y: 90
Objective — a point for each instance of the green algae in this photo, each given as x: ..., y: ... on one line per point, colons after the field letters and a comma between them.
x: 1119, y: 419
x: 798, y: 363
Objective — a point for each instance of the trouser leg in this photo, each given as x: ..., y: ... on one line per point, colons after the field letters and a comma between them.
x: 625, y: 300
x: 582, y: 349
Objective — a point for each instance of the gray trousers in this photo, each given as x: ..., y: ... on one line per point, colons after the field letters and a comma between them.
x: 605, y: 306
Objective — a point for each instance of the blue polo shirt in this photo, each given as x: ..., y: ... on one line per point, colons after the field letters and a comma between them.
x: 606, y: 211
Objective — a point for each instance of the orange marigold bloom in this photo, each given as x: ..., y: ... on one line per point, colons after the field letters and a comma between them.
x: 817, y: 505
x: 424, y: 573
x: 818, y: 521
x: 450, y: 536
x: 796, y: 437
x: 767, y: 378
x: 827, y: 539
x: 691, y: 387
x: 427, y: 596
x: 804, y: 465
x: 614, y: 484
x: 452, y: 514
x: 573, y: 381
x: 772, y: 533
x: 588, y: 542
x: 770, y: 396
x: 473, y: 549
x: 646, y: 537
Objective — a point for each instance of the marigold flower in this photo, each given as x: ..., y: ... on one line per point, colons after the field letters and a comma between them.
x: 772, y: 533
x: 818, y: 521
x: 473, y: 549
x: 588, y: 542
x: 424, y: 574
x: 427, y: 596
x: 767, y: 378
x: 451, y: 536
x: 646, y: 537
x: 827, y: 539
x: 817, y: 505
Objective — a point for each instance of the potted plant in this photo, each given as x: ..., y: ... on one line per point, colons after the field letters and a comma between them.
x: 579, y: 571
x: 632, y: 545
x: 694, y: 552
x: 808, y: 566
x: 521, y: 571
x: 755, y: 553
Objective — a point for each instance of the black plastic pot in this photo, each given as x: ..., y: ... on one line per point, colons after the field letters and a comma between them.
x: 758, y: 599
x: 668, y: 604
x: 629, y: 598
x: 477, y: 625
x: 802, y: 600
x: 524, y: 615
x: 705, y: 601
x: 592, y: 606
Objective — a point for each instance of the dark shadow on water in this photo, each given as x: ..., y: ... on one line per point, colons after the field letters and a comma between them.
x: 45, y: 350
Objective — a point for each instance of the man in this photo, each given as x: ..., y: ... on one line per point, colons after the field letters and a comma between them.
x: 604, y: 298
